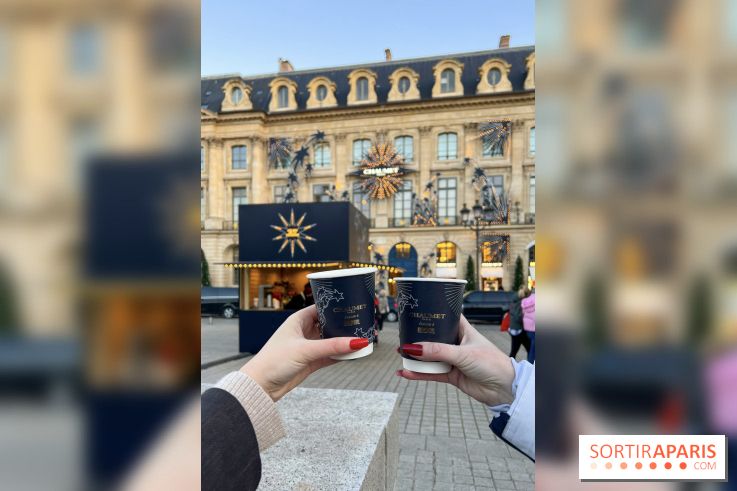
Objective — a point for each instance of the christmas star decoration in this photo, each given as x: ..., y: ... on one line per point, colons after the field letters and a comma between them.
x: 292, y: 233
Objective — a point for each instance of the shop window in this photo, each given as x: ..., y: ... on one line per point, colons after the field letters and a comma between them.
x: 446, y: 253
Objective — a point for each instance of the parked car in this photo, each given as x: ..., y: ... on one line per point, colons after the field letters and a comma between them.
x: 219, y: 301
x: 392, y: 315
x: 487, y: 306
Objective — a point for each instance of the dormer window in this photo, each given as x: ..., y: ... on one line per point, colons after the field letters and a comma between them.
x: 322, y: 93
x: 283, y: 97
x: 494, y: 77
x: 237, y: 96
x: 403, y: 85
x: 283, y: 94
x: 447, y: 79
x: 363, y: 87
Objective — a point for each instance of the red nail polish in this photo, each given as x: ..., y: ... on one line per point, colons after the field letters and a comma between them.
x: 412, y: 349
x: 358, y: 343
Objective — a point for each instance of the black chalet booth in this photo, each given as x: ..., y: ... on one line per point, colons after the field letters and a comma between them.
x: 279, y: 244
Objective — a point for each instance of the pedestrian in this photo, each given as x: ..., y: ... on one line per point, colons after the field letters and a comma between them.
x: 383, y: 306
x: 297, y: 301
x: 309, y: 299
x: 516, y: 324
x: 528, y: 312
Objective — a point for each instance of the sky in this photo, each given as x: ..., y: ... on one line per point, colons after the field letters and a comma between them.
x: 248, y: 37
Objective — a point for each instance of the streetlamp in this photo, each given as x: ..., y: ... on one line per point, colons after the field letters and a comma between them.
x: 478, y: 218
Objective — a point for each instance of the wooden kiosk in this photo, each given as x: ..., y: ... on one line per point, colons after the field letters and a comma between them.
x: 279, y: 244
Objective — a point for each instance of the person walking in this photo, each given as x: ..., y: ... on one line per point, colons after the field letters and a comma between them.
x: 516, y: 324
x: 528, y: 320
x: 383, y: 306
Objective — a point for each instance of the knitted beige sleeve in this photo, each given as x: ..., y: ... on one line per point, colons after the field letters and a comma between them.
x: 260, y: 408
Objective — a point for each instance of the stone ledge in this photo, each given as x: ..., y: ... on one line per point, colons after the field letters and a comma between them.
x: 337, y: 440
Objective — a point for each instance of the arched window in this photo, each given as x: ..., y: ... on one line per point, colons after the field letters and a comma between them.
x: 283, y: 96
x: 403, y: 85
x: 321, y: 93
x: 360, y: 149
x: 448, y: 80
x: 362, y: 87
x: 236, y: 96
x: 447, y: 146
x: 446, y: 252
x: 405, y: 147
x: 238, y: 157
x: 404, y: 255
x: 322, y: 155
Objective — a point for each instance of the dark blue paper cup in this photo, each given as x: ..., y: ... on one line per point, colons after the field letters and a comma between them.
x: 429, y: 310
x: 344, y: 299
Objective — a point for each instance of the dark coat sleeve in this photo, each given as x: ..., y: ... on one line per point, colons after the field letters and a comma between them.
x: 230, y: 458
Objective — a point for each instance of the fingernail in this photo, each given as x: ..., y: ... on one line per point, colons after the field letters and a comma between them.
x: 358, y: 343
x: 398, y: 373
x: 412, y: 349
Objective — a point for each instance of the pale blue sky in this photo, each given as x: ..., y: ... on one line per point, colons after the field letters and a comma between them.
x: 249, y: 36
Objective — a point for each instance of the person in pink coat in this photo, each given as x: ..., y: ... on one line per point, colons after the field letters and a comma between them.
x: 528, y: 321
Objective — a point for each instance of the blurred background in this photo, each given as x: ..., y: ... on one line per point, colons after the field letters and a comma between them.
x: 637, y: 225
x: 99, y: 275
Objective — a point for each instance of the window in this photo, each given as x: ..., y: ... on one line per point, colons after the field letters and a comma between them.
x: 361, y: 200
x: 497, y: 184
x: 279, y: 193
x: 494, y: 76
x: 240, y: 197
x: 236, y: 96
x: 403, y: 205
x: 202, y: 204
x: 403, y: 250
x: 403, y: 85
x: 283, y: 96
x: 85, y: 50
x: 360, y: 149
x: 494, y: 251
x: 490, y: 149
x: 321, y: 93
x: 532, y: 194
x: 322, y: 155
x: 405, y: 147
x: 202, y: 158
x: 447, y: 146
x: 236, y: 271
x: 532, y: 141
x: 238, y: 157
x: 447, y: 200
x: 320, y: 193
x: 448, y: 80
x: 446, y: 252
x: 362, y: 89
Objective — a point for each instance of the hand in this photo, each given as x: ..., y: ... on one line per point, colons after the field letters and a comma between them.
x: 294, y: 351
x: 480, y: 369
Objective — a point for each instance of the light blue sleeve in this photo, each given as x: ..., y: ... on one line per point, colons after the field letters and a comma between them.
x: 515, y: 423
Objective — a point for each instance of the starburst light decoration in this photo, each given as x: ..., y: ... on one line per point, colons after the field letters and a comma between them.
x: 382, y: 168
x: 293, y: 233
x: 280, y: 151
x: 494, y: 135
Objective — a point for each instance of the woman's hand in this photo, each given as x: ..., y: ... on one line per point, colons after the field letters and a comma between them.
x: 480, y: 369
x: 295, y: 351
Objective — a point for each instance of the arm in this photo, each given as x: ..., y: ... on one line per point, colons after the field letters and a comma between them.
x: 515, y: 423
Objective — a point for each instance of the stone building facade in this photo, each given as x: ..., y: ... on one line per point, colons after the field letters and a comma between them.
x: 429, y: 108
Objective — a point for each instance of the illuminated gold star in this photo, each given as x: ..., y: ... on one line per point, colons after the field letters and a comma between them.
x: 292, y: 232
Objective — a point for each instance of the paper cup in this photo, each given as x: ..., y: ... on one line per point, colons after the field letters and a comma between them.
x: 344, y: 299
x: 429, y: 310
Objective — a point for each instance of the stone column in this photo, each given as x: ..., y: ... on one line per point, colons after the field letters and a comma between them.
x: 216, y: 192
x: 426, y: 156
x: 342, y: 161
x: 260, y: 190
x: 466, y: 191
x: 516, y: 157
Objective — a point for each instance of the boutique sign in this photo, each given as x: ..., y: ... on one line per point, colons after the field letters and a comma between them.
x: 382, y: 169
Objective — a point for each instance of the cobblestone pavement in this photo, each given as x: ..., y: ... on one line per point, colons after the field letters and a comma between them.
x: 445, y: 440
x: 219, y: 338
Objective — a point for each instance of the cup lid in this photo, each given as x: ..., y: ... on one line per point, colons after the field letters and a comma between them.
x: 436, y: 280
x: 337, y: 273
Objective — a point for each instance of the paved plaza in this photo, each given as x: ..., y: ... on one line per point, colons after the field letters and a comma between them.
x: 445, y: 440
